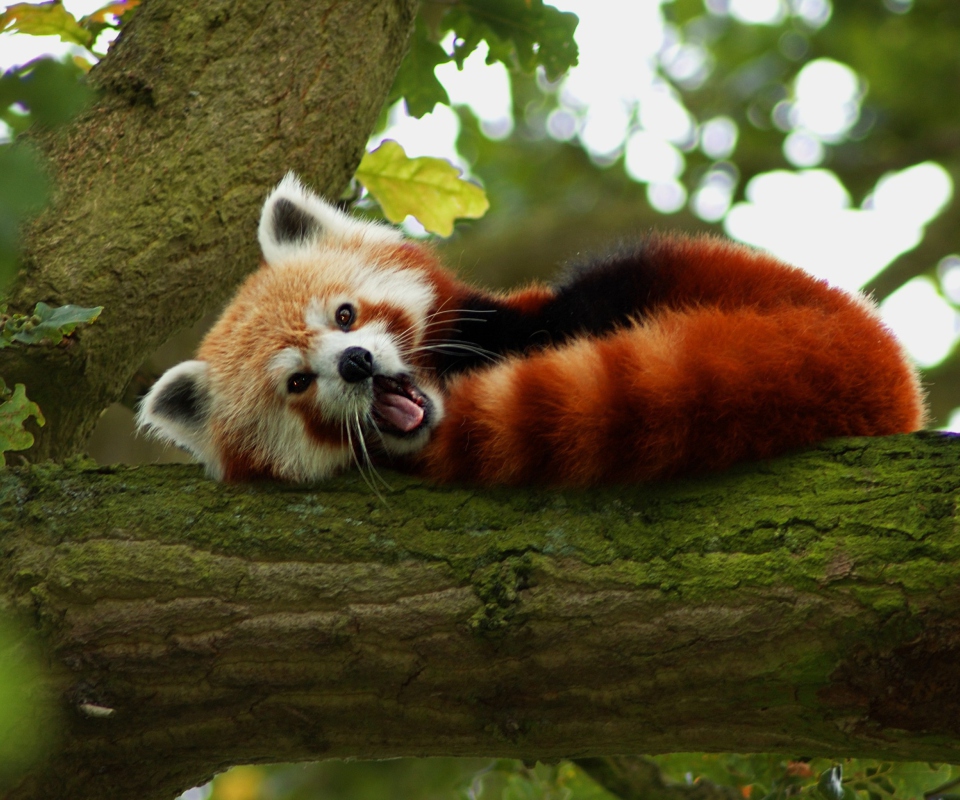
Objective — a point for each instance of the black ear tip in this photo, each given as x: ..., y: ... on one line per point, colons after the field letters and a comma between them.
x: 291, y: 223
x: 181, y: 400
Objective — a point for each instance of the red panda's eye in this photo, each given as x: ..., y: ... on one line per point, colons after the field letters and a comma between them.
x: 345, y: 316
x: 299, y: 382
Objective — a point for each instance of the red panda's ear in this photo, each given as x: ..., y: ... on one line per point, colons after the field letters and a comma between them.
x: 288, y: 221
x: 294, y: 221
x: 177, y: 407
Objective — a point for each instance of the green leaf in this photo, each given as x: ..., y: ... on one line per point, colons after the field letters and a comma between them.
x: 53, y: 91
x: 25, y: 707
x: 50, y: 325
x: 724, y: 769
x: 102, y: 16
x: 109, y: 17
x: 429, y: 189
x: 13, y: 413
x: 44, y: 19
x: 416, y: 82
x: 914, y: 780
x: 528, y: 31
x: 8, y: 265
x: 24, y: 189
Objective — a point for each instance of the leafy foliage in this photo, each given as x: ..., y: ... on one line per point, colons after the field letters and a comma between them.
x: 44, y: 19
x: 15, y: 409
x: 23, y: 191
x: 514, y: 780
x: 753, y: 777
x: 109, y: 17
x: 47, y: 325
x: 773, y: 777
x: 47, y: 93
x: 44, y: 92
x: 52, y: 19
x: 416, y: 81
x: 523, y: 34
x: 23, y: 704
x: 429, y: 189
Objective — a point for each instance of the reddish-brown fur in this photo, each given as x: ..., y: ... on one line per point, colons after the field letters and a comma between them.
x: 745, y: 358
x: 670, y: 357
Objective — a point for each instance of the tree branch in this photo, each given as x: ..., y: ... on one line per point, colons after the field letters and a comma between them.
x: 808, y: 605
x: 203, y: 106
x: 939, y: 239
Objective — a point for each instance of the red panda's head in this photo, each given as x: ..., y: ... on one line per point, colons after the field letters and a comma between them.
x: 318, y: 355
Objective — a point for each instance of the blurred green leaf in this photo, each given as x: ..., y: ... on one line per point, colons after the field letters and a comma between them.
x: 44, y: 19
x: 416, y: 82
x: 8, y: 252
x: 525, y: 33
x: 52, y: 91
x: 519, y: 33
x: 15, y: 409
x: 109, y: 17
x: 429, y: 189
x: 724, y: 769
x: 104, y: 13
x: 44, y: 92
x: 24, y: 187
x: 25, y: 710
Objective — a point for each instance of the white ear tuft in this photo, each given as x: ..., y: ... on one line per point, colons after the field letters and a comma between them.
x: 294, y: 219
x: 289, y: 222
x: 177, y: 408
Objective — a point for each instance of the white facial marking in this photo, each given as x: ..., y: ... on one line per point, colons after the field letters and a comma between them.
x: 288, y: 360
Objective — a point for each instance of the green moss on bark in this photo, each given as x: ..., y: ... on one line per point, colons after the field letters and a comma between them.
x: 809, y: 604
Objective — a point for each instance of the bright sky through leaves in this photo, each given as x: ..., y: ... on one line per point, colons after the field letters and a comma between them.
x: 614, y: 104
x: 18, y: 49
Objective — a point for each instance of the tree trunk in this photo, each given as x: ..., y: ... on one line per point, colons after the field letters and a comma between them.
x: 809, y: 605
x: 204, y: 105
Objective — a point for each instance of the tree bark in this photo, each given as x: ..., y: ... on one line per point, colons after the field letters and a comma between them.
x: 203, y: 106
x: 809, y: 605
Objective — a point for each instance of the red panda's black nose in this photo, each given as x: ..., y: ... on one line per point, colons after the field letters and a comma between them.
x: 356, y: 364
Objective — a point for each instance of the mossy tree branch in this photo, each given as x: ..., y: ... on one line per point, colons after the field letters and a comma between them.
x: 809, y: 605
x: 203, y: 106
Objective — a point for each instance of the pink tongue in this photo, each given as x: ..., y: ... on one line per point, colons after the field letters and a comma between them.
x: 400, y: 412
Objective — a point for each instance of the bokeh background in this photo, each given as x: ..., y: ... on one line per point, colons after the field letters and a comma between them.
x: 825, y: 132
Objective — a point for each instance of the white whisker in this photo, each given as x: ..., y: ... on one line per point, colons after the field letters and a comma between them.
x: 453, y: 347
x: 366, y: 456
x: 371, y: 424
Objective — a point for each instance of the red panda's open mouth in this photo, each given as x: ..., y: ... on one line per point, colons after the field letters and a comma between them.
x: 399, y: 407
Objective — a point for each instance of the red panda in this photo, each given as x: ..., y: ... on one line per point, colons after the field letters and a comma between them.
x: 666, y: 357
